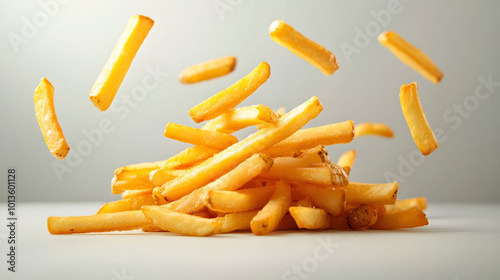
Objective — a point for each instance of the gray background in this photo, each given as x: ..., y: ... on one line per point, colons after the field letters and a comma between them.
x: 71, y: 47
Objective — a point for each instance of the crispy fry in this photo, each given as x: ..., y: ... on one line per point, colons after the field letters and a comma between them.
x: 411, y: 56
x: 134, y: 177
x: 366, y: 129
x: 181, y: 223
x: 237, y: 221
x: 410, y: 203
x: 326, y: 175
x: 312, y: 157
x: 338, y: 133
x: 271, y: 214
x: 327, y: 198
x: 403, y: 219
x: 231, y: 96
x: 127, y: 220
x: 189, y: 157
x: 304, y: 201
x: 361, y: 193
x: 208, y: 70
x: 226, y: 160
x: 310, y: 218
x: 128, y: 204
x: 152, y: 228
x: 240, y: 200
x: 196, y: 136
x: 362, y: 217
x: 239, y: 118
x: 415, y: 118
x: 347, y: 158
x: 312, y: 52
x: 47, y: 119
x: 104, y: 90
x: 135, y: 193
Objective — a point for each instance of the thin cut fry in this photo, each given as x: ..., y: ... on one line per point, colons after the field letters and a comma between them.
x: 411, y: 56
x: 47, y: 119
x: 361, y: 193
x: 415, y: 118
x: 327, y: 198
x: 231, y: 96
x: 240, y: 200
x: 310, y: 51
x: 127, y: 220
x: 104, y: 90
x: 128, y: 204
x: 310, y: 218
x: 366, y: 129
x: 404, y: 219
x: 239, y: 118
x: 196, y: 136
x: 347, y: 158
x: 208, y: 70
x: 269, y: 217
x: 362, y: 217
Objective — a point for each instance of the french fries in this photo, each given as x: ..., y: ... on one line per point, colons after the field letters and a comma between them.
x: 326, y: 175
x: 186, y: 134
x: 377, y: 194
x: 362, y: 217
x: 380, y: 129
x: 411, y: 56
x: 231, y: 96
x: 347, y: 158
x: 47, y: 119
x: 420, y: 129
x: 238, y: 201
x: 330, y: 199
x: 403, y: 219
x: 310, y: 51
x: 239, y: 118
x: 208, y: 70
x: 127, y: 204
x: 105, y: 87
x: 310, y: 218
x: 271, y: 214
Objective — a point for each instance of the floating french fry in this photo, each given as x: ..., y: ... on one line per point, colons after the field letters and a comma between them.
x: 366, y: 129
x: 208, y: 70
x: 347, y: 158
x: 196, y: 136
x: 239, y: 118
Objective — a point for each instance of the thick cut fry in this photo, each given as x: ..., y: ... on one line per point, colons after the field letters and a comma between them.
x: 410, y: 203
x: 128, y: 204
x: 312, y: 52
x: 304, y: 201
x: 404, y: 219
x: 338, y: 133
x: 415, y: 118
x: 361, y: 193
x: 237, y: 221
x: 240, y: 200
x: 47, y: 119
x: 347, y: 158
x: 181, y: 223
x: 196, y: 136
x: 208, y: 70
x: 134, y: 177
x: 310, y: 218
x: 135, y: 193
x: 366, y: 129
x: 104, y: 90
x: 127, y: 220
x: 271, y: 214
x: 231, y: 96
x: 327, y: 198
x: 411, y: 56
x: 224, y: 161
x: 239, y: 118
x: 362, y: 217
x: 327, y: 175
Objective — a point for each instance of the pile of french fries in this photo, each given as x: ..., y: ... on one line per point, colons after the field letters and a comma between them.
x: 278, y: 178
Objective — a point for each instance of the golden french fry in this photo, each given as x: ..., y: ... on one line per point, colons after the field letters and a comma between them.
x: 237, y: 221
x: 312, y: 52
x: 338, y: 133
x: 196, y: 136
x: 135, y: 193
x: 410, y: 203
x: 127, y: 220
x: 380, y: 129
x: 240, y: 200
x: 104, y: 90
x: 313, y: 157
x: 420, y: 129
x: 411, y: 56
x: 271, y: 214
x: 362, y: 193
x: 220, y: 163
x: 189, y: 157
x: 403, y: 219
x: 361, y: 217
x: 47, y: 119
x: 239, y: 118
x: 304, y: 201
x: 310, y: 218
x: 327, y: 198
x: 231, y: 96
x: 181, y: 223
x: 134, y: 177
x: 128, y: 204
x: 208, y: 70
x: 347, y: 158
x: 326, y: 175
x: 152, y: 228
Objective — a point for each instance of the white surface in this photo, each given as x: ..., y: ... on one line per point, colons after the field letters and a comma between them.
x: 461, y: 242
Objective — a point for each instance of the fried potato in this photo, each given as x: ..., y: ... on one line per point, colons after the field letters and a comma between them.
x: 308, y: 158
x: 347, y: 158
x: 231, y: 96
x: 47, y: 119
x: 196, y: 136
x: 366, y: 129
x: 361, y: 217
x: 411, y: 56
x: 127, y: 204
x: 181, y: 223
x: 238, y: 201
x: 189, y: 157
x: 208, y: 70
x: 271, y: 214
x: 237, y: 221
x: 135, y: 193
x: 327, y: 198
x: 120, y: 221
x: 312, y: 52
x: 224, y: 161
x: 362, y: 193
x: 403, y: 219
x: 105, y: 87
x: 420, y: 129
x: 310, y: 218
x: 304, y: 201
x: 134, y: 177
x: 326, y: 175
x: 239, y: 118
x: 410, y: 203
